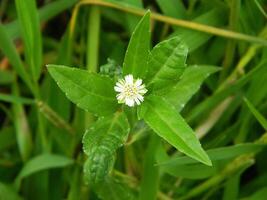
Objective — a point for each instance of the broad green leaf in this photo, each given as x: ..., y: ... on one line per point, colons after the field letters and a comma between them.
x: 257, y: 114
x: 8, y: 48
x: 112, y: 189
x: 221, y: 153
x: 100, y: 143
x: 31, y: 34
x: 43, y: 162
x: 135, y: 61
x: 190, y: 82
x: 150, y: 176
x: 166, y: 63
x: 169, y: 124
x: 89, y: 91
x: 8, y: 193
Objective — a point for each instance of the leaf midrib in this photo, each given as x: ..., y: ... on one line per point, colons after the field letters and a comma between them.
x: 84, y: 89
x: 164, y: 65
x: 171, y: 128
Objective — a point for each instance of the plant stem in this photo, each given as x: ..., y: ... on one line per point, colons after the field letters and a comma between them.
x: 177, y: 22
x: 93, y: 39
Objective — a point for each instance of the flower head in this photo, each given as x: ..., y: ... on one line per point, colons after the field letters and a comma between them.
x: 130, y: 91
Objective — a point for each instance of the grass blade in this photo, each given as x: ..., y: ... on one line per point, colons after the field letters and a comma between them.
x: 261, y: 119
x: 31, y: 34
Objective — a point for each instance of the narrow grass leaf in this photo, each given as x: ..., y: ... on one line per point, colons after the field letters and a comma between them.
x: 209, y: 103
x: 23, y: 133
x: 135, y: 61
x: 221, y: 153
x: 261, y: 119
x: 15, y: 99
x: 7, y: 138
x: 6, y: 77
x: 195, y: 39
x: 45, y: 13
x: 43, y: 162
x: 173, y: 8
x: 8, y: 48
x: 89, y: 91
x: 169, y: 124
x: 31, y: 34
x: 150, y: 177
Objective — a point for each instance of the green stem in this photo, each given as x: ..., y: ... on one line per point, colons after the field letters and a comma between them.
x: 93, y: 39
x: 92, y: 46
x: 231, y: 44
x: 177, y: 22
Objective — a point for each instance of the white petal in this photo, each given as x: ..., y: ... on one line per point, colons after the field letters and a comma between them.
x: 129, y: 79
x: 118, y: 89
x: 137, y: 101
x: 119, y: 84
x: 140, y: 97
x: 129, y: 102
x: 138, y: 82
x: 120, y: 97
x: 142, y: 91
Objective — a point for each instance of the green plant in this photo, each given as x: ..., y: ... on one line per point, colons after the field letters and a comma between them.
x: 131, y: 125
x: 161, y: 70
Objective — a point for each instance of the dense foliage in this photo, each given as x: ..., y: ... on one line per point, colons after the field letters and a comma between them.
x: 198, y: 133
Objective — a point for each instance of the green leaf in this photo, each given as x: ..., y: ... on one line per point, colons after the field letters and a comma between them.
x: 100, y: 143
x: 8, y: 48
x: 257, y: 114
x: 112, y: 189
x: 135, y: 61
x: 15, y: 99
x: 260, y: 194
x: 42, y: 162
x: 166, y: 63
x: 209, y: 103
x: 191, y: 171
x: 31, y: 34
x: 6, y: 137
x: 173, y: 8
x: 46, y: 13
x: 89, y: 91
x: 150, y: 177
x: 8, y: 193
x: 221, y: 153
x: 195, y: 39
x: 169, y: 124
x: 6, y: 77
x: 23, y: 132
x: 190, y: 82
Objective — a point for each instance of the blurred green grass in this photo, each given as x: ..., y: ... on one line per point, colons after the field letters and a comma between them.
x: 41, y: 131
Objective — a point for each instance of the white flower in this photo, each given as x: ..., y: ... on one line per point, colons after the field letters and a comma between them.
x: 130, y: 91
